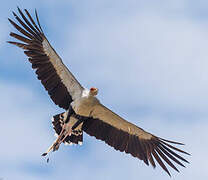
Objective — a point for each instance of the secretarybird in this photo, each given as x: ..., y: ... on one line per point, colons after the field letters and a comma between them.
x: 84, y: 112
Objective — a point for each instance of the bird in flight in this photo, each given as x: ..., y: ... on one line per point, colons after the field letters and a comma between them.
x: 83, y: 111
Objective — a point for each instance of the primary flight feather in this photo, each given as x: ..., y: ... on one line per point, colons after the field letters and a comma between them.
x: 84, y: 112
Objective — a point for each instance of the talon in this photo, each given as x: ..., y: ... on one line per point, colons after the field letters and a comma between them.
x: 62, y: 136
x: 44, y: 154
x: 56, y: 146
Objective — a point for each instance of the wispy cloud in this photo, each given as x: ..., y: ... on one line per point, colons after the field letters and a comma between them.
x: 149, y: 60
x: 144, y: 52
x: 3, y: 35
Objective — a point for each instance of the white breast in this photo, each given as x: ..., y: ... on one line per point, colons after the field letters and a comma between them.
x: 84, y: 105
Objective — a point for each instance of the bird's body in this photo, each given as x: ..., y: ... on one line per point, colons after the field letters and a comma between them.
x: 84, y: 112
x: 84, y: 105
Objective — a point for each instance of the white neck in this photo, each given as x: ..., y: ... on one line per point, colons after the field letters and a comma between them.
x: 86, y: 93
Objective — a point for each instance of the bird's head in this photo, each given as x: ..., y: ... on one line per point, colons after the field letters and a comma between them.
x: 93, y: 91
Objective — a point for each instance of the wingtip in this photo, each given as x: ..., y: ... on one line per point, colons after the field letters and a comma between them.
x: 168, y: 173
x: 188, y: 154
x: 15, y: 15
x: 12, y: 22
x: 10, y: 42
x: 187, y: 162
x: 177, y: 170
x: 20, y: 11
x: 12, y: 34
x: 36, y: 14
x: 26, y: 11
x: 173, y: 142
x: 18, y: 8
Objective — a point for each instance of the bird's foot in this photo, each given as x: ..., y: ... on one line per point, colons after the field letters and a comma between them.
x: 66, y: 131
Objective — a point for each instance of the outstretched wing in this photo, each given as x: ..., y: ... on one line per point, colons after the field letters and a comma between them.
x: 126, y: 137
x: 61, y: 85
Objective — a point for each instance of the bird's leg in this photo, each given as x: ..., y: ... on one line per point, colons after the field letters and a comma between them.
x: 67, y: 134
x: 63, y: 134
x: 66, y: 125
x: 56, y: 143
x: 69, y: 128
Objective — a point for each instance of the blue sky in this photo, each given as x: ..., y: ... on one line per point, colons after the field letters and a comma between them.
x: 149, y: 60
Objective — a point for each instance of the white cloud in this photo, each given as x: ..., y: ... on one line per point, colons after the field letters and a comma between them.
x: 148, y: 59
x: 26, y: 128
x: 3, y: 31
x: 23, y: 119
x: 100, y: 158
x: 161, y: 61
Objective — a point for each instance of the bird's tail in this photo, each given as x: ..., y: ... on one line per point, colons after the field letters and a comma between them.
x: 77, y: 135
